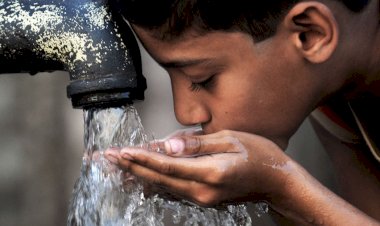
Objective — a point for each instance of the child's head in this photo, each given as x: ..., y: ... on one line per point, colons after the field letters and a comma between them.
x: 173, y: 17
x: 253, y: 66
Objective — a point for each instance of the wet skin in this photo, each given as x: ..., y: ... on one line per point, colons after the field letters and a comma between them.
x: 248, y: 107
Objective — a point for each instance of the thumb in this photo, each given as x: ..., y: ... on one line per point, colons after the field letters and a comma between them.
x: 190, y: 146
x: 192, y: 131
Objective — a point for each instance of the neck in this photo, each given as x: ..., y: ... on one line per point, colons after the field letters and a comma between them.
x: 370, y: 78
x: 373, y: 78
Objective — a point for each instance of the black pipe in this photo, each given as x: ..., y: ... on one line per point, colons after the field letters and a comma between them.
x: 88, y: 38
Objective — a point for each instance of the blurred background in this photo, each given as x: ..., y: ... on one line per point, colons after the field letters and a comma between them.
x: 41, y: 143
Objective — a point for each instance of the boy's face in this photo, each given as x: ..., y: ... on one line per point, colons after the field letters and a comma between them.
x: 225, y: 81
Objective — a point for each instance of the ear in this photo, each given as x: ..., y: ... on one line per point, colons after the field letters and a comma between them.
x: 313, y: 30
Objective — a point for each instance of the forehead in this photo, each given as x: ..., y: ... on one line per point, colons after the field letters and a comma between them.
x: 158, y: 35
x: 193, y: 43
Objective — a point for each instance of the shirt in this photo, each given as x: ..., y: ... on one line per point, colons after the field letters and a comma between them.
x: 352, y: 122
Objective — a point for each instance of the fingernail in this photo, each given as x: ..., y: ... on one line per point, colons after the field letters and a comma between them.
x: 130, y: 178
x: 113, y: 148
x: 112, y: 158
x: 127, y: 156
x: 174, y: 145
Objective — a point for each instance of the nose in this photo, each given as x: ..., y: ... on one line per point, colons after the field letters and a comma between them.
x: 189, y: 107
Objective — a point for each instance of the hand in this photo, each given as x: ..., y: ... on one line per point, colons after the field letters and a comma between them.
x: 233, y: 166
x: 211, y: 169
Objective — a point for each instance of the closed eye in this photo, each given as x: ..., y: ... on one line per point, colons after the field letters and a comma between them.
x: 206, y: 84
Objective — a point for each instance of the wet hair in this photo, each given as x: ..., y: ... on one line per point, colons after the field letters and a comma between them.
x: 170, y: 18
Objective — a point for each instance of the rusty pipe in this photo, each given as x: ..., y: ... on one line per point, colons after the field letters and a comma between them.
x: 88, y: 38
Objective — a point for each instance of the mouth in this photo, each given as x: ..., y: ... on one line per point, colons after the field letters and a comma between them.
x: 207, y: 129
x: 198, y: 130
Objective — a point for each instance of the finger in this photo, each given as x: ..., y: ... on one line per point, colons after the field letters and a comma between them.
x: 129, y: 176
x: 158, y: 145
x: 164, y: 184
x: 178, y: 167
x: 189, y: 146
x: 155, y: 181
x: 112, y: 155
x: 197, y: 169
x: 193, y: 131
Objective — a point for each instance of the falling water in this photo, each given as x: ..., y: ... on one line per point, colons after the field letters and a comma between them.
x: 100, y: 198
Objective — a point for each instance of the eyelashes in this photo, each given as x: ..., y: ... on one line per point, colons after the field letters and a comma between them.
x: 206, y: 84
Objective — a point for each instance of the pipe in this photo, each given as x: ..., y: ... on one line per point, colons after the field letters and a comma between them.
x: 88, y: 38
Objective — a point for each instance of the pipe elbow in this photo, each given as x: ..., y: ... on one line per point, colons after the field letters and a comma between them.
x: 87, y: 38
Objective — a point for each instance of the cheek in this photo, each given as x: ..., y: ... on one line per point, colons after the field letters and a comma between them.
x: 249, y: 113
x: 265, y: 100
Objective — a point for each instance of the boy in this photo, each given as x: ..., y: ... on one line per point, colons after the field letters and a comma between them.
x: 249, y: 73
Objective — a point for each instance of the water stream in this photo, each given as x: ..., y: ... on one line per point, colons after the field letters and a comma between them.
x: 100, y: 198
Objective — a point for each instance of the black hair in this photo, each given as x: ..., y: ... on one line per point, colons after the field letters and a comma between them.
x: 171, y: 18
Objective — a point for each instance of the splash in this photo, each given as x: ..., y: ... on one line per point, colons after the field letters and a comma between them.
x: 101, y: 198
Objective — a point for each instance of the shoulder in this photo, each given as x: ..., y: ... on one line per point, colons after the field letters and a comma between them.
x: 336, y: 119
x: 352, y: 123
x: 356, y: 167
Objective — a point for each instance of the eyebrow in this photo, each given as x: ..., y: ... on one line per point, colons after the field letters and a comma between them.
x: 184, y: 63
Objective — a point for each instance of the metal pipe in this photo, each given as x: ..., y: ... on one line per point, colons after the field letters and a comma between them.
x: 88, y: 38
